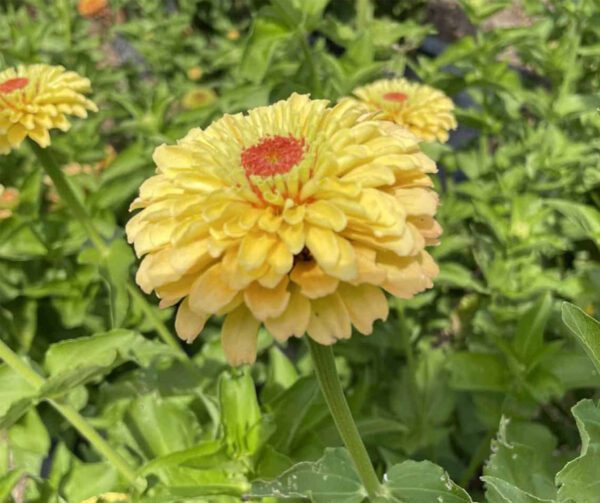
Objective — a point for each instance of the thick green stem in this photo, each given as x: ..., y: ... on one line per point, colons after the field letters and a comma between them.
x: 69, y: 196
x: 324, y: 364
x: 94, y: 438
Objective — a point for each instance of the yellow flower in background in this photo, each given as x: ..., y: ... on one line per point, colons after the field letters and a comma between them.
x: 35, y: 99
x: 195, y: 73
x: 425, y: 111
x: 296, y: 216
x: 199, y: 97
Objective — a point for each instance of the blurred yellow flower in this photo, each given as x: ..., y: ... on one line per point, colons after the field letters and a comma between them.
x: 233, y: 34
x: 9, y: 200
x: 294, y: 216
x: 199, y: 97
x: 35, y: 99
x: 426, y: 111
x: 194, y: 73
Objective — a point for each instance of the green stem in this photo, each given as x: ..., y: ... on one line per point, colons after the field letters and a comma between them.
x: 324, y: 364
x: 94, y: 438
x: 99, y: 443
x: 19, y: 366
x: 69, y: 196
x: 316, y: 88
x: 159, y: 326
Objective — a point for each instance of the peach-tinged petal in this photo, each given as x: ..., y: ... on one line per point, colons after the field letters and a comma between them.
x: 267, y: 302
x: 188, y: 323
x: 238, y: 336
x: 311, y: 279
x: 210, y: 292
x: 294, y: 319
x: 329, y: 320
x: 365, y: 304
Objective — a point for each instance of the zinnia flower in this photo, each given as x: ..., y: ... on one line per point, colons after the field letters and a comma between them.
x: 425, y: 111
x: 296, y: 216
x: 199, y: 97
x: 37, y: 98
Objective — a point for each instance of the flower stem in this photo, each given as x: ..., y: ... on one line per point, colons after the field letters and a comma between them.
x: 69, y: 196
x: 94, y: 438
x: 324, y: 364
x: 316, y: 88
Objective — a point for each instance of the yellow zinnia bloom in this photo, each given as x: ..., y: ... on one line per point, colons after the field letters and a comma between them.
x: 425, y: 111
x: 294, y: 216
x: 37, y: 98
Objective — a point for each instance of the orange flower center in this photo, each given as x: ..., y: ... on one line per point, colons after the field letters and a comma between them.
x: 395, y: 96
x: 8, y: 86
x: 272, y: 156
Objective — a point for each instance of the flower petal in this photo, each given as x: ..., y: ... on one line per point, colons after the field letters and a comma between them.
x: 238, y: 336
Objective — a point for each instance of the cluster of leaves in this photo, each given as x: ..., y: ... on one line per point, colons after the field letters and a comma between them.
x: 475, y: 379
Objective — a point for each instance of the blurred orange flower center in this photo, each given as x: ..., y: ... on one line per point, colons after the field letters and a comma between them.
x: 272, y: 156
x: 395, y: 96
x: 11, y: 85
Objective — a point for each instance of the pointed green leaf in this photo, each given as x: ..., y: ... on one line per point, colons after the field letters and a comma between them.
x: 331, y: 479
x: 585, y: 328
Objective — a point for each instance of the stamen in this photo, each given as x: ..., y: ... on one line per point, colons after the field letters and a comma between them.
x: 272, y: 156
x: 395, y: 96
x: 11, y: 85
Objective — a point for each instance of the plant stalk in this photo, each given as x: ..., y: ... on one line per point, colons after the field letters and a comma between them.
x: 69, y: 196
x: 324, y: 365
x: 77, y: 420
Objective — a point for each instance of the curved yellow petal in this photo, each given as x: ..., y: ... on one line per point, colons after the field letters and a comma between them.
x: 267, y: 302
x: 294, y: 319
x: 311, y: 279
x: 188, y: 324
x: 238, y: 336
x: 329, y: 320
x: 365, y: 304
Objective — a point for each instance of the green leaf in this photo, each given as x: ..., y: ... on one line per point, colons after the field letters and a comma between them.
x: 73, y: 362
x: 151, y: 422
x: 478, y: 371
x: 331, y: 479
x: 86, y: 480
x: 523, y: 463
x: 586, y: 218
x: 585, y: 328
x: 289, y: 410
x: 114, y: 268
x: 421, y: 482
x: 579, y: 480
x: 458, y: 276
x: 529, y: 337
x: 16, y: 396
x: 266, y: 37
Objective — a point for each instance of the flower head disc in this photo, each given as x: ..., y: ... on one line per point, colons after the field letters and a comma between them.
x: 35, y: 99
x: 272, y: 156
x: 395, y: 96
x: 296, y: 216
x: 10, y: 85
x: 425, y: 111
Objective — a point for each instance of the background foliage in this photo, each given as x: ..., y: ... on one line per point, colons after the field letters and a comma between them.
x: 475, y: 390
